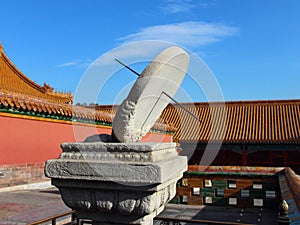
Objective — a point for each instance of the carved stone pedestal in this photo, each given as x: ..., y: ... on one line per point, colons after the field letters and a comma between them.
x: 117, y: 183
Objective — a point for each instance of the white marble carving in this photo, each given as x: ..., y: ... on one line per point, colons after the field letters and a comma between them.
x: 145, y: 102
x: 93, y: 181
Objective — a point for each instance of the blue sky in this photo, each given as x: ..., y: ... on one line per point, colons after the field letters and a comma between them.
x: 251, y: 46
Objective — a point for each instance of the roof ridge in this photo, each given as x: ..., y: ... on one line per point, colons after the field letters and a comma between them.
x: 240, y: 102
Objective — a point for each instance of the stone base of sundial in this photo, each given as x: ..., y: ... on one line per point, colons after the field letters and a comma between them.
x: 117, y: 183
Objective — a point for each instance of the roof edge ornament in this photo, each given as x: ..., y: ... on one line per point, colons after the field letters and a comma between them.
x: 1, y: 48
x: 47, y: 88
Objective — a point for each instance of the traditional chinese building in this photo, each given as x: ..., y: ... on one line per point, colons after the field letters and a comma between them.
x: 256, y: 140
x: 250, y: 133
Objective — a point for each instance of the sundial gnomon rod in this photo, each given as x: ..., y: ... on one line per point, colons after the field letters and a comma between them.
x: 127, y: 67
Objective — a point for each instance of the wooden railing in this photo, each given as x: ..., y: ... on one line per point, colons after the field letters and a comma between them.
x: 53, y: 219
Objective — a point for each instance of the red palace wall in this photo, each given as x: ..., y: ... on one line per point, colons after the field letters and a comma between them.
x: 26, y: 143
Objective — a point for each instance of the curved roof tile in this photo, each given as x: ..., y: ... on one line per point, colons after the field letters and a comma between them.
x: 244, y: 122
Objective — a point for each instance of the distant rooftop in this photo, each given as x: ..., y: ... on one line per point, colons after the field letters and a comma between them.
x: 12, y: 80
x: 244, y: 121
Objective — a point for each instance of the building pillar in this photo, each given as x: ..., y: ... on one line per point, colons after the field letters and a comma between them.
x: 285, y: 154
x: 244, y: 155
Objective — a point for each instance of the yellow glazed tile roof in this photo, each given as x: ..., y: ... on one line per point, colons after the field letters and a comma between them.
x: 12, y: 80
x: 243, y: 122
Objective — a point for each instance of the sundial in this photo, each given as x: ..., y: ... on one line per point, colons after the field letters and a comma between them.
x: 150, y: 94
x: 130, y: 182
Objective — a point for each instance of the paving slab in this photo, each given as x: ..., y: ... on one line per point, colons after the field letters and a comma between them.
x: 27, y: 206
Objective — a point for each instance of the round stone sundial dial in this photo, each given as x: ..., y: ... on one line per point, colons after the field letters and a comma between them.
x: 146, y: 101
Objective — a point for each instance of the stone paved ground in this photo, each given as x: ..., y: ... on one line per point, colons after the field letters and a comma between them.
x: 26, y: 206
x: 23, y: 207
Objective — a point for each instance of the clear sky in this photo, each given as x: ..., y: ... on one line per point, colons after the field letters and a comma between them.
x: 251, y: 46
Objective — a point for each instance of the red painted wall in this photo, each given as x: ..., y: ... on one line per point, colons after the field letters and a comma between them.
x: 30, y: 141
